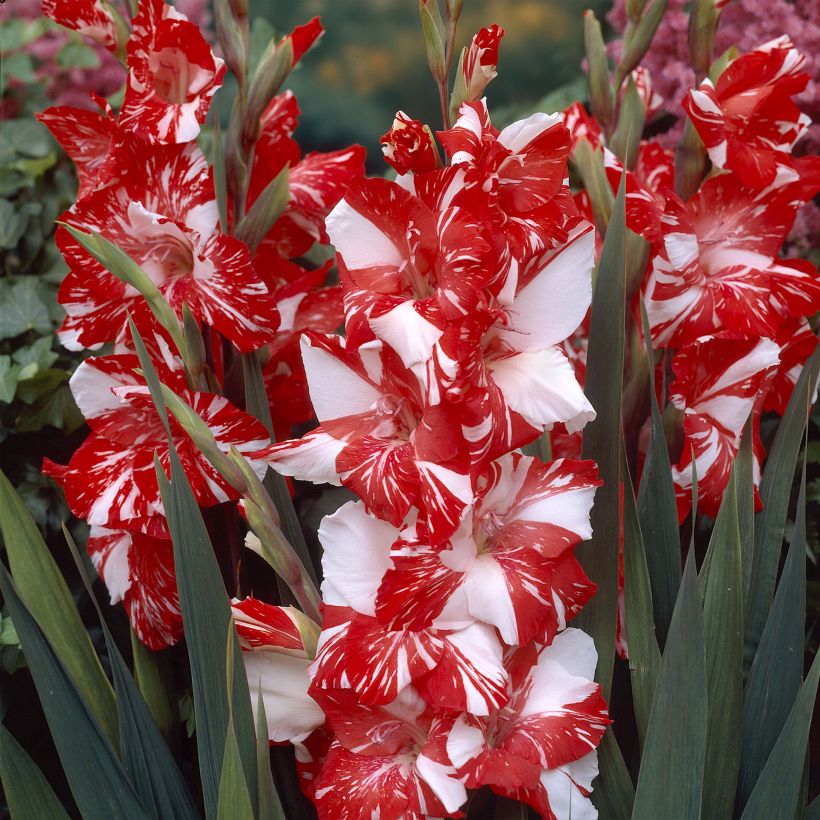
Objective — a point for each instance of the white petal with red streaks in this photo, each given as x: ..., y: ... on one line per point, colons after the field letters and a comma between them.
x: 353, y: 539
x: 541, y: 385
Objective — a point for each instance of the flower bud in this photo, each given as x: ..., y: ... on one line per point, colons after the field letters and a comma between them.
x: 636, y: 45
x: 264, y: 212
x: 703, y: 20
x: 409, y: 146
x: 690, y: 162
x: 627, y: 136
x: 233, y: 37
x: 601, y: 99
x: 479, y: 64
x: 589, y: 163
x: 194, y: 345
x: 274, y: 66
x: 433, y: 30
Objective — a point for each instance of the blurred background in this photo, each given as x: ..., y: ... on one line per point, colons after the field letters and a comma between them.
x: 371, y: 61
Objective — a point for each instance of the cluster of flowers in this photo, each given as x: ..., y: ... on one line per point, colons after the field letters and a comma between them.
x: 444, y: 660
x: 728, y: 313
x: 146, y: 186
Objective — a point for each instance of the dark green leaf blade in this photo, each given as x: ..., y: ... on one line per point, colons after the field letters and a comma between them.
x: 778, y: 787
x: 670, y: 781
x: 95, y: 775
x: 604, y: 382
x: 206, y: 614
x: 613, y: 793
x: 658, y: 512
x: 744, y: 467
x: 644, y: 655
x: 270, y: 807
x: 775, y: 487
x: 27, y: 793
x: 47, y: 597
x: 777, y: 669
x: 721, y: 583
x: 145, y: 756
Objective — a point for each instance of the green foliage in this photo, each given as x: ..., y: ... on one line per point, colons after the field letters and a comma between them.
x: 603, y: 388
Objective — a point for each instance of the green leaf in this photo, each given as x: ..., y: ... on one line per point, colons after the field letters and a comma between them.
x: 657, y: 510
x: 22, y: 309
x: 149, y: 373
x: 206, y: 614
x: 644, y: 655
x: 270, y: 807
x: 95, y: 775
x: 27, y: 136
x: 775, y: 488
x: 777, y: 669
x: 613, y: 793
x: 744, y: 468
x: 57, y: 409
x: 8, y: 379
x: 148, y: 673
x: 220, y: 180
x: 13, y: 224
x: 604, y: 381
x: 27, y: 792
x: 145, y: 756
x: 778, y: 786
x: 813, y: 810
x: 670, y: 781
x: 20, y: 66
x: 76, y: 54
x: 47, y: 596
x: 39, y: 353
x: 234, y: 795
x: 721, y: 584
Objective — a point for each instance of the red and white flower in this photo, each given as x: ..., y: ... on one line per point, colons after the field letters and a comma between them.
x: 89, y: 138
x: 540, y: 747
x: 377, y: 437
x: 510, y: 564
x: 163, y: 215
x: 91, y: 18
x: 138, y: 570
x: 717, y: 268
x: 172, y: 76
x: 276, y: 663
x: 454, y: 662
x: 111, y: 480
x: 717, y: 381
x: 748, y: 120
x: 386, y: 761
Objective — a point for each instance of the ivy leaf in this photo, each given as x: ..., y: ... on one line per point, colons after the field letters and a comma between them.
x: 76, y: 54
x: 39, y: 353
x: 8, y: 379
x: 57, y: 410
x: 22, y: 309
x: 12, y: 224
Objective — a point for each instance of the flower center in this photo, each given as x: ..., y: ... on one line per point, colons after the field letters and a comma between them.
x: 175, y: 77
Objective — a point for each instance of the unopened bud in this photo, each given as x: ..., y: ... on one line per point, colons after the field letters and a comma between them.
x: 232, y: 34
x: 627, y: 136
x: 637, y: 44
x: 601, y: 99
x: 703, y: 20
x: 194, y: 345
x: 409, y: 146
x: 690, y: 162
x: 264, y: 212
x: 274, y: 66
x: 589, y: 163
x: 478, y: 65
x: 433, y: 30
